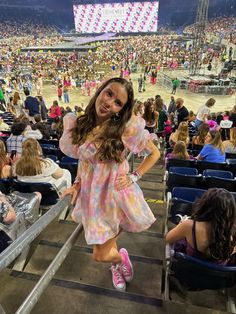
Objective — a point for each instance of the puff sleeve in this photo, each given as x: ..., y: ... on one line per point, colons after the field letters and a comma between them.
x: 65, y: 142
x: 136, y: 138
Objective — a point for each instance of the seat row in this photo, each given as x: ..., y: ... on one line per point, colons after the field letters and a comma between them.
x: 228, y: 165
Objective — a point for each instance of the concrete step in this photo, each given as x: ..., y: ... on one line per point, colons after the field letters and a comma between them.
x: 138, y: 244
x: 79, y: 267
x: 58, y: 299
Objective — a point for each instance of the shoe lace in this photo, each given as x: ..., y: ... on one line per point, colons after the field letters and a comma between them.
x: 124, y: 269
x: 116, y: 273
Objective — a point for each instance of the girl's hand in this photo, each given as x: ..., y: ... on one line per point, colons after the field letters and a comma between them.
x: 122, y: 182
x: 74, y: 191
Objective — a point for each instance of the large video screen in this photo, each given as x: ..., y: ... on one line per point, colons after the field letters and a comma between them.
x: 116, y: 17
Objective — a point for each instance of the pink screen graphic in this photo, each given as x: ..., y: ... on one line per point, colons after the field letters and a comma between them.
x: 116, y: 17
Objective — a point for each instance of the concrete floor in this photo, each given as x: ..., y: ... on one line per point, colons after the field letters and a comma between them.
x: 192, y: 100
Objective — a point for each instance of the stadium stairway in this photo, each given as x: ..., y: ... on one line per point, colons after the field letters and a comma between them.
x: 84, y: 286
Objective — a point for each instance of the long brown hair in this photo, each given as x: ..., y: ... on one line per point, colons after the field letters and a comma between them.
x: 216, y: 140
x: 3, y: 157
x: 233, y: 136
x: 31, y: 162
x: 16, y: 97
x: 111, y: 147
x: 180, y: 151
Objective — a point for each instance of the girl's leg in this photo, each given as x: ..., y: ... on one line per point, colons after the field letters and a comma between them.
x: 122, y: 269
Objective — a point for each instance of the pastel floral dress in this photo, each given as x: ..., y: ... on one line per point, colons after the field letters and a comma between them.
x: 103, y: 209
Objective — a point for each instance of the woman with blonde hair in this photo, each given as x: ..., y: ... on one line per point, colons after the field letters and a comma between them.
x: 5, y: 168
x: 230, y: 145
x: 213, y: 150
x: 32, y: 167
x: 181, y: 134
x: 179, y: 152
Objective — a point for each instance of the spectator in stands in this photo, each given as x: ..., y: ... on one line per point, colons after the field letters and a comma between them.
x: 162, y: 117
x: 55, y: 110
x: 14, y: 142
x: 41, y: 126
x: 31, y: 105
x: 213, y: 150
x: 3, y: 126
x: 192, y: 116
x: 79, y: 111
x: 100, y: 137
x: 199, y: 139
x: 181, y: 134
x: 44, y: 110
x: 179, y: 152
x: 181, y: 113
x: 203, y: 112
x: 57, y: 127
x: 32, y: 167
x: 232, y: 116
x: 210, y: 233
x: 17, y: 103
x: 150, y: 116
x: 5, y: 168
x: 172, y: 105
x: 230, y: 145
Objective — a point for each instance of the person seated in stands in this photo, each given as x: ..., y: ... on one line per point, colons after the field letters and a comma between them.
x: 181, y: 134
x: 29, y: 132
x: 57, y: 127
x: 55, y: 110
x: 3, y: 125
x: 32, y: 167
x: 230, y: 145
x: 5, y: 167
x: 192, y: 116
x: 179, y: 152
x: 199, y: 139
x: 41, y: 126
x: 14, y: 142
x: 210, y: 233
x: 213, y: 150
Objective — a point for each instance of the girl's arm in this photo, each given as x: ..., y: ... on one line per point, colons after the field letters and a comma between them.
x: 150, y: 160
x: 180, y: 232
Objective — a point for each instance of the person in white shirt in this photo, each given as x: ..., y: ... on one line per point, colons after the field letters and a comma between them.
x: 203, y: 112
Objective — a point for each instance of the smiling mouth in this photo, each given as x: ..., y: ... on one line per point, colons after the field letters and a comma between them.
x: 104, y: 109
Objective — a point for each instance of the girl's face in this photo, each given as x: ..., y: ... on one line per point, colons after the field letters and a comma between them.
x: 208, y: 138
x: 110, y: 101
x: 152, y: 108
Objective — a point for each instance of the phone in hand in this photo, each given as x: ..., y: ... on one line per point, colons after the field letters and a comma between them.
x: 13, y: 154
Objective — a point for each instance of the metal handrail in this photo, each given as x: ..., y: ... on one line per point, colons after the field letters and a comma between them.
x: 44, y: 281
x: 14, y: 250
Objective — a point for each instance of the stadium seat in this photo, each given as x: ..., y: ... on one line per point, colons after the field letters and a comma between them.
x: 183, y: 170
x: 231, y: 165
x: 228, y: 184
x: 48, y: 191
x: 180, y: 163
x: 175, y: 179
x: 218, y: 173
x: 203, y: 165
x: 71, y: 166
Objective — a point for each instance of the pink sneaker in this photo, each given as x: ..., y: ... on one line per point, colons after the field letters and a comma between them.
x: 117, y: 278
x: 126, y: 267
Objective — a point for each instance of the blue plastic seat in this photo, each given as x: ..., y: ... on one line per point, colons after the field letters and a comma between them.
x: 202, y: 165
x: 172, y: 162
x: 218, y: 173
x: 69, y: 159
x: 71, y: 166
x: 183, y: 170
x: 181, y: 180
x: 227, y: 184
x: 197, y: 274
x: 48, y: 191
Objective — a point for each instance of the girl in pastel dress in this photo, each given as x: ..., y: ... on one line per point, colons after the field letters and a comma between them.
x: 108, y: 199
